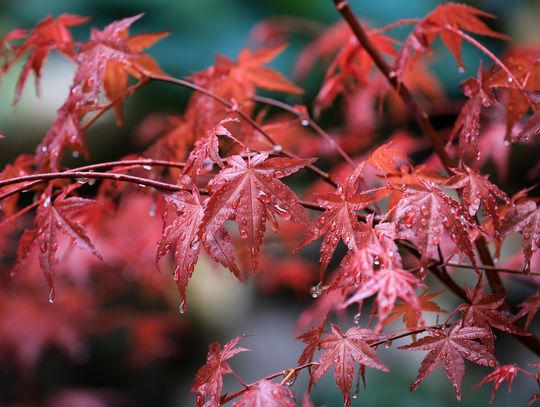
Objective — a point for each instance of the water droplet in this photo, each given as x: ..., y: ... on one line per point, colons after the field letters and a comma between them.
x: 316, y: 291
x: 510, y: 79
x: 461, y: 69
x: 182, y: 307
x: 264, y: 197
x: 51, y: 296
x: 75, y: 154
x: 147, y: 167
x: 81, y: 180
x: 44, y: 149
x: 152, y: 209
x: 243, y: 233
x: 304, y: 122
x: 283, y: 212
x: 279, y: 174
x: 290, y: 377
x: 506, y: 143
x: 142, y: 185
x: 276, y: 148
x: 388, y: 344
x: 492, y: 363
x: 47, y: 202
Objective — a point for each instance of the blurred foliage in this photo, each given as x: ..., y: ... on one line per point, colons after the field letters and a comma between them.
x: 199, y: 29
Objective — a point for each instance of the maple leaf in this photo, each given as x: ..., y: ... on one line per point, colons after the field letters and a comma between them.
x: 311, y: 338
x: 498, y: 376
x: 339, y: 220
x: 426, y: 214
x: 250, y: 68
x: 478, y: 190
x: 115, y: 81
x: 529, y: 307
x: 524, y: 217
x: 342, y: 350
x: 446, y: 21
x: 206, y: 150
x: 66, y: 132
x: 410, y: 314
x: 182, y: 235
x: 111, y: 45
x: 389, y: 283
x: 531, y: 128
x: 467, y: 125
x: 482, y: 312
x: 209, y: 378
x: 451, y: 347
x: 266, y: 393
x: 248, y: 191
x: 52, y: 219
x: 50, y: 33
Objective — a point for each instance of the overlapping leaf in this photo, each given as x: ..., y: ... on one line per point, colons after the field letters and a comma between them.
x: 209, y: 378
x: 451, y: 347
x: 341, y: 350
x: 266, y: 393
x: 427, y: 215
x: 52, y: 220
x: 498, y: 376
x: 249, y: 191
x: 524, y: 217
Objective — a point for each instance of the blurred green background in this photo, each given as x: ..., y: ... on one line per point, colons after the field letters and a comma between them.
x: 199, y: 29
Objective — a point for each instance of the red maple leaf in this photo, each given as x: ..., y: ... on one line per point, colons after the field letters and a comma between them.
x: 50, y: 33
x: 427, y: 215
x: 446, y: 21
x: 209, y: 378
x: 182, y: 235
x: 451, y: 347
x: 311, y: 338
x: 266, y: 393
x: 482, y: 312
x: 248, y: 192
x: 498, y: 376
x: 389, y: 283
x: 467, y: 124
x: 524, y: 217
x: 53, y: 219
x: 339, y: 220
x: 478, y: 190
x: 529, y: 307
x: 410, y: 315
x: 342, y: 350
x: 531, y: 128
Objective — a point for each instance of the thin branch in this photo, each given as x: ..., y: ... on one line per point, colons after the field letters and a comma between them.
x: 225, y: 399
x: 187, y: 84
x: 310, y: 122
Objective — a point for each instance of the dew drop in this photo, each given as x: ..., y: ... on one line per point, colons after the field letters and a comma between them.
x: 75, y: 154
x: 284, y: 213
x: 492, y: 363
x: 461, y: 69
x: 316, y: 291
x: 279, y: 174
x: 304, y: 122
x: 510, y: 79
x: 152, y: 210
x: 182, y: 307
x: 356, y: 318
x: 51, y: 296
x: 243, y: 233
x: 387, y: 345
x: 142, y: 185
x: 147, y: 167
x: 263, y: 197
x: 81, y: 180
x: 276, y: 148
x: 44, y: 149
